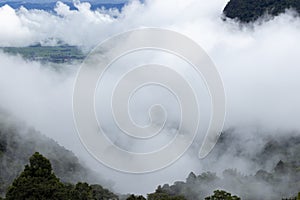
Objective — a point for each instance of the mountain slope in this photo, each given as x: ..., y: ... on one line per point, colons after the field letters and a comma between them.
x: 251, y: 10
x: 18, y: 143
x: 276, y: 161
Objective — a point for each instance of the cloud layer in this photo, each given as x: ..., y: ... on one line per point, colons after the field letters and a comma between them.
x: 259, y: 64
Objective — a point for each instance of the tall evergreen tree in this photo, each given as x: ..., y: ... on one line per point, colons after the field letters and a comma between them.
x: 37, y: 181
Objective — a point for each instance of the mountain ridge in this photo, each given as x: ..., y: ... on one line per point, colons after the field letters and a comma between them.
x: 251, y: 10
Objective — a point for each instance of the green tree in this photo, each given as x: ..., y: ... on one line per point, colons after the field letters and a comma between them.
x: 82, y: 191
x: 100, y: 193
x: 164, y: 196
x: 133, y: 197
x: 37, y: 181
x: 222, y: 195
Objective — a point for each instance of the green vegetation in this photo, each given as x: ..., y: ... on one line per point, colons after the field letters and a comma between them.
x: 134, y: 197
x: 54, y: 54
x: 163, y: 196
x: 38, y: 181
x: 160, y: 194
x: 251, y: 10
x: 222, y: 195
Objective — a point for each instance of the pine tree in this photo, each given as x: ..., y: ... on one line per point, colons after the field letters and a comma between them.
x: 37, y: 181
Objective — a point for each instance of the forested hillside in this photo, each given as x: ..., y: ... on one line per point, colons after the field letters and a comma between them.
x: 18, y: 143
x: 275, y: 156
x: 251, y: 10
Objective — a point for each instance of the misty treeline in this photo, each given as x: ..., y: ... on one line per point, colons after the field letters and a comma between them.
x: 275, y: 156
x: 38, y: 181
x: 251, y: 10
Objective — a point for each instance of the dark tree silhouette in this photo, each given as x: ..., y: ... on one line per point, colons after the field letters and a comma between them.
x: 133, y: 197
x: 222, y: 195
x: 251, y: 10
x: 37, y: 181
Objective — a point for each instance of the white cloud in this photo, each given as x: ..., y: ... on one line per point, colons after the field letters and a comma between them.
x: 259, y: 65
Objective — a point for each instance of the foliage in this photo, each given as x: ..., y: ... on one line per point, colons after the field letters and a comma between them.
x: 38, y: 181
x: 164, y: 196
x: 159, y: 194
x: 100, y: 193
x: 251, y: 10
x: 133, y: 197
x: 222, y: 195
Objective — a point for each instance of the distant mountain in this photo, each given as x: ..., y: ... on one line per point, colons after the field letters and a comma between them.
x: 50, y: 5
x: 70, y: 1
x: 251, y: 10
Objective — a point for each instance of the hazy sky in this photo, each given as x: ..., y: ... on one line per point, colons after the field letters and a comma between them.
x: 47, y: 1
